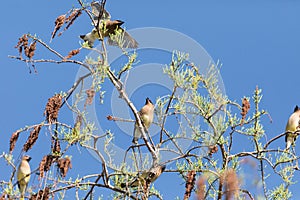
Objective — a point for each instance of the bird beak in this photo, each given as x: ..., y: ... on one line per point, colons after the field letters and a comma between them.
x: 120, y: 22
x: 29, y: 158
x: 82, y: 36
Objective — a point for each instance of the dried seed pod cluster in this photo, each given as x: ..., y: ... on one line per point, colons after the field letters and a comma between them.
x: 71, y: 54
x: 72, y: 17
x: 22, y: 44
x: 29, y: 50
x: 52, y: 108
x: 34, y: 134
x: 45, y: 164
x: 212, y: 149
x: 13, y: 139
x: 245, y: 109
x: 55, y: 146
x: 59, y: 22
x: 41, y: 195
x: 62, y: 19
x: 190, y: 183
x: 64, y: 164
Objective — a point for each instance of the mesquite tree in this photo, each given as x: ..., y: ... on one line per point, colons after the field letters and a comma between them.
x: 212, y: 164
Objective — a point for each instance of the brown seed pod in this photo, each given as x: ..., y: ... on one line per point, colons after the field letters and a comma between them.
x: 45, y: 164
x: 72, y: 17
x: 56, y: 146
x: 212, y: 149
x: 64, y: 164
x: 190, y: 183
x: 22, y: 44
x: 34, y: 134
x: 41, y: 195
x: 245, y: 109
x: 29, y: 52
x: 52, y: 108
x: 13, y: 139
x: 59, y: 22
x: 72, y: 53
x: 109, y: 118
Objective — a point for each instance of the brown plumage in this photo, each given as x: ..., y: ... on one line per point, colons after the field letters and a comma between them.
x: 146, y: 114
x: 107, y: 29
x: 147, y: 177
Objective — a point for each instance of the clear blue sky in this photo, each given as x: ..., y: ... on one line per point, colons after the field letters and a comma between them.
x: 257, y: 42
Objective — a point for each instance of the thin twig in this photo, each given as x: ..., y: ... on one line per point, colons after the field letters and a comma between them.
x: 165, y: 115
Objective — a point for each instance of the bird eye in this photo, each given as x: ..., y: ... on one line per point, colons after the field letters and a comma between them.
x: 151, y: 175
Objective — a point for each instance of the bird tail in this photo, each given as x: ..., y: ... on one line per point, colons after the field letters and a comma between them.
x: 288, y: 144
x: 22, y: 196
x: 89, y: 38
x: 136, y: 134
x: 135, y: 140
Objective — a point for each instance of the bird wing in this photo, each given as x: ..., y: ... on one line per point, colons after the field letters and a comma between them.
x: 126, y: 40
x: 24, y: 172
x: 148, y: 176
x: 23, y: 176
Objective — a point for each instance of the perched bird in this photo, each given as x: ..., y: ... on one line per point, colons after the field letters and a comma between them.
x: 23, y: 175
x: 292, y: 126
x: 146, y: 114
x: 147, y: 177
x: 107, y: 29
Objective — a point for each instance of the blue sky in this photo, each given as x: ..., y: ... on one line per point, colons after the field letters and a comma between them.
x: 257, y: 42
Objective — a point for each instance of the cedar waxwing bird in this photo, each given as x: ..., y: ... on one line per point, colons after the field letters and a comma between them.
x: 146, y: 114
x: 147, y: 177
x: 292, y: 126
x: 107, y: 29
x: 23, y: 175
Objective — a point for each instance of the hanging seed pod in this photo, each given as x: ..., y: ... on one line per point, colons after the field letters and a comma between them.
x: 34, y: 134
x: 190, y: 183
x: 52, y: 108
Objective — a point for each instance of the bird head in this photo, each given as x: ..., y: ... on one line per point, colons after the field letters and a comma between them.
x: 27, y: 158
x: 148, y: 101
x: 119, y: 22
x: 163, y: 167
x: 296, y: 108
